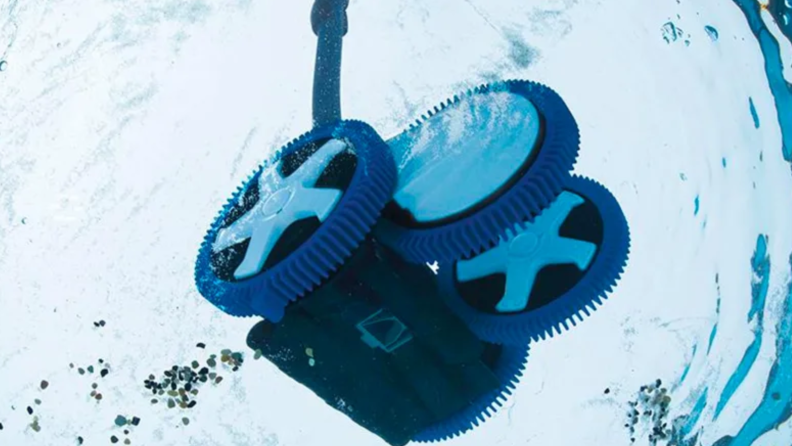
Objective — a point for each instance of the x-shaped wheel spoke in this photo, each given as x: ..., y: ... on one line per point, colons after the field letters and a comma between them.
x: 522, y: 255
x: 282, y: 201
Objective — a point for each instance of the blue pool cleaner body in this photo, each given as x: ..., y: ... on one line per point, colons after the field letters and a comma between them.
x: 327, y: 241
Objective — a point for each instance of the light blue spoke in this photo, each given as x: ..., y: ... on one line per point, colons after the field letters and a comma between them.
x: 520, y: 279
x: 523, y: 255
x: 566, y: 250
x: 264, y: 237
x: 489, y: 262
x: 282, y: 201
x: 236, y: 233
x: 315, y: 203
x: 312, y: 168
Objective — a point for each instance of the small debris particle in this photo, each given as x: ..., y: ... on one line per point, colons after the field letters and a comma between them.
x: 225, y: 352
x: 37, y: 401
x: 3, y: 65
x: 126, y: 431
x: 98, y: 396
x: 776, y: 396
x: 102, y: 323
x: 309, y: 352
x: 135, y: 421
x: 200, y: 345
x: 153, y: 401
x: 219, y: 379
x: 35, y: 425
x: 113, y: 439
x: 90, y: 369
x: 195, y: 364
x: 71, y: 365
x: 186, y: 421
x: 127, y: 441
x: 94, y: 385
x: 93, y: 393
x: 120, y: 420
x: 104, y: 372
x: 257, y: 354
x: 607, y: 391
x: 30, y: 410
x: 171, y: 403
x: 1, y: 426
x: 211, y: 362
x: 79, y: 440
x: 311, y: 362
x: 81, y: 371
x: 44, y: 384
x: 192, y: 404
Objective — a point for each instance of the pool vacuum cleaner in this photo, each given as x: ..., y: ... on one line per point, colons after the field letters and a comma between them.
x: 329, y: 239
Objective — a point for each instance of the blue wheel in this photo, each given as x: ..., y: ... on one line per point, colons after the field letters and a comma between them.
x: 508, y: 366
x: 545, y: 272
x: 295, y: 220
x: 474, y: 167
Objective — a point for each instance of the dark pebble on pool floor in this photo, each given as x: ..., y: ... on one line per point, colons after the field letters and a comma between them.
x: 114, y: 439
x: 135, y: 421
x: 607, y: 391
x: 104, y: 372
x: 30, y: 410
x: 79, y: 440
x: 186, y: 421
x: 44, y: 384
x: 120, y: 420
x: 200, y: 345
x: 1, y: 426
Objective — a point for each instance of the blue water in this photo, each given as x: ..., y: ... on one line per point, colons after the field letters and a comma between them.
x: 780, y: 88
x: 754, y: 115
